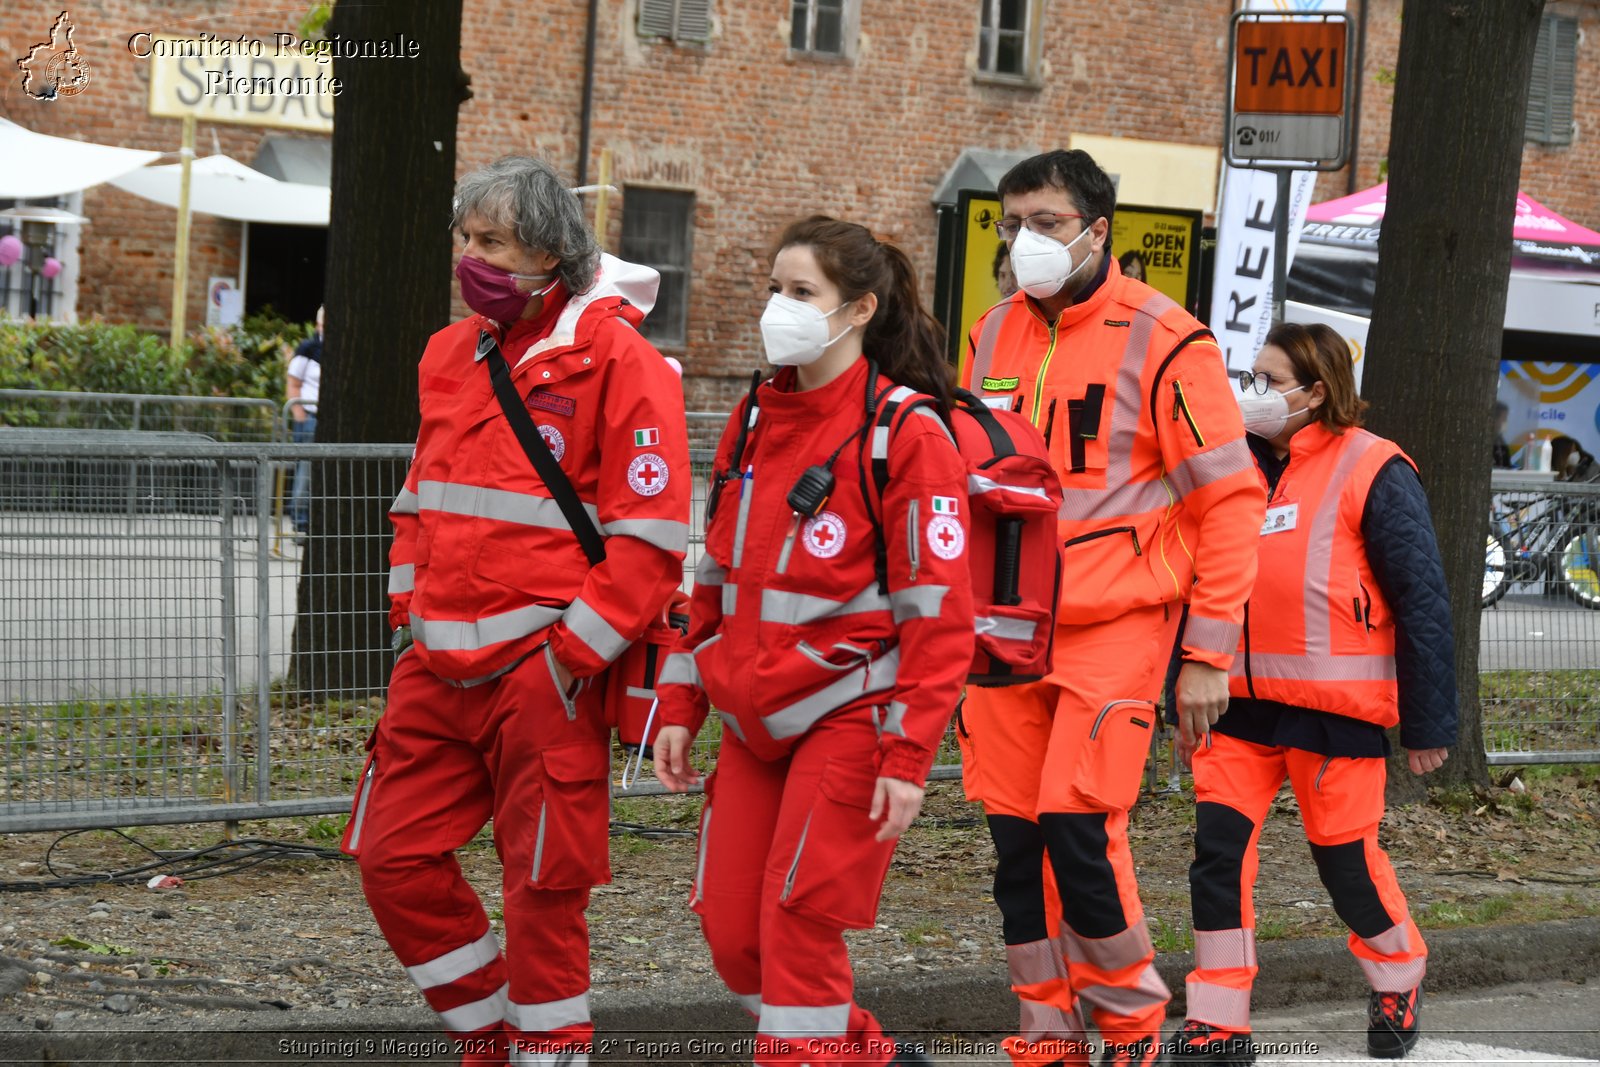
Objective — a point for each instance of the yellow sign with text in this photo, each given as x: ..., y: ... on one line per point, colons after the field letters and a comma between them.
x: 980, y: 243
x: 1167, y: 242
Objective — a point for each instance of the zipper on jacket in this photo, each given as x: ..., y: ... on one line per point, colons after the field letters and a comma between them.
x: 1364, y: 610
x: 538, y: 843
x: 1044, y: 371
x: 1100, y: 718
x: 361, y: 803
x: 1049, y: 424
x: 1249, y: 679
x: 1180, y: 406
x: 913, y: 545
x: 1129, y: 530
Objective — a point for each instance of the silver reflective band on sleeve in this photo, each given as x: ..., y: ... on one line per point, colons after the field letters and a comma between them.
x: 917, y: 602
x: 730, y: 598
x: 588, y: 626
x: 457, y: 963
x: 983, y: 351
x: 800, y: 609
x: 553, y: 1015
x: 480, y: 502
x: 709, y: 572
x: 480, y: 1013
x: 894, y: 720
x: 1005, y: 629
x: 470, y: 635
x: 937, y: 421
x: 784, y: 1021
x: 679, y: 669
x: 1213, y: 635
x: 665, y: 534
x: 977, y: 485
x: 1198, y: 471
x: 731, y: 723
x: 797, y: 718
x: 402, y: 578
x: 405, y: 503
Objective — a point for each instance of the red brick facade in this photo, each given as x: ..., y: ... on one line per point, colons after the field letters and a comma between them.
x: 759, y: 134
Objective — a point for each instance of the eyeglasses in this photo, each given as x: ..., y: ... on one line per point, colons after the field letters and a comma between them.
x: 1258, y: 383
x: 1044, y: 224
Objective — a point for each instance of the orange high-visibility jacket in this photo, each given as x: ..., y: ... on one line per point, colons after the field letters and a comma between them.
x: 484, y: 566
x: 1161, y: 498
x: 1318, y: 632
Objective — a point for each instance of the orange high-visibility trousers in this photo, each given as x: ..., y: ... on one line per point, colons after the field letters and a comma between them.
x: 1057, y: 765
x: 1341, y: 804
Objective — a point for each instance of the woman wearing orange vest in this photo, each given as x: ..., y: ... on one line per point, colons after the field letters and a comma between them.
x: 1346, y: 633
x: 831, y: 629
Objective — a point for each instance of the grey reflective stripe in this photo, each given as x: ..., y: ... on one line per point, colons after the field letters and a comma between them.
x: 470, y: 635
x: 1035, y: 961
x: 405, y: 503
x: 730, y: 598
x: 801, y: 609
x: 1394, y: 941
x: 917, y: 602
x: 1149, y: 992
x: 457, y: 963
x: 786, y: 1021
x: 797, y: 718
x: 1397, y: 977
x: 1213, y: 635
x: 937, y: 421
x: 1130, y: 498
x: 475, y: 1016
x: 402, y: 578
x: 1319, y: 549
x: 501, y: 505
x: 360, y: 815
x: 750, y: 1001
x: 977, y: 485
x: 1200, y: 470
x: 1217, y: 949
x: 709, y: 572
x: 1040, y: 1022
x: 679, y: 669
x: 665, y: 534
x: 794, y: 864
x: 538, y: 843
x: 1005, y: 629
x: 880, y: 442
x: 588, y: 626
x: 1110, y: 953
x: 744, y: 521
x: 552, y: 1015
x: 700, y: 861
x: 1218, y: 1005
x: 983, y: 351
x: 730, y: 722
x: 894, y: 721
x: 1324, y: 668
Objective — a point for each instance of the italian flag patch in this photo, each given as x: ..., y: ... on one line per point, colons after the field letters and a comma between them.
x: 944, y: 505
x: 646, y: 437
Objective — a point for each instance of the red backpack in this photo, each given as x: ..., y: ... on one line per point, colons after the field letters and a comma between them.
x: 1012, y: 541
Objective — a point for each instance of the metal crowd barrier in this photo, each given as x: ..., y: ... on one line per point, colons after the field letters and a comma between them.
x: 221, y: 418
x: 158, y: 664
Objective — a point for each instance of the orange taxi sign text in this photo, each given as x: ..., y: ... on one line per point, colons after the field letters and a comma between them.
x: 1290, y: 68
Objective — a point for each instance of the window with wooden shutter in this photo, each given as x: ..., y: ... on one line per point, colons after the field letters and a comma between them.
x: 1007, y: 31
x: 823, y: 27
x: 658, y: 231
x: 677, y: 20
x: 1550, y: 93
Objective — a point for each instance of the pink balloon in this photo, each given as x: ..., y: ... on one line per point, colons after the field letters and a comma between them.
x: 10, y: 250
x: 51, y: 267
x: 675, y: 365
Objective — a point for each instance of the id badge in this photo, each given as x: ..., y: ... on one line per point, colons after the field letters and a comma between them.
x: 1280, y: 519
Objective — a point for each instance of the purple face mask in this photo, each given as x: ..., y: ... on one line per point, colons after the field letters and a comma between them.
x: 492, y: 292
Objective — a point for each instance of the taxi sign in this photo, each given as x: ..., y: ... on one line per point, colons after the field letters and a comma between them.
x: 1290, y: 92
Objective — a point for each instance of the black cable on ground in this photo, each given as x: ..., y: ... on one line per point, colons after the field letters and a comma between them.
x: 213, y: 861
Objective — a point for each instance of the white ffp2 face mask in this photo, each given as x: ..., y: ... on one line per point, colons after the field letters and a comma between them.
x: 1042, y: 264
x: 1267, y: 415
x: 794, y: 332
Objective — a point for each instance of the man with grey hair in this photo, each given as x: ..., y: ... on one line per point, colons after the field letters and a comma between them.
x: 516, y: 578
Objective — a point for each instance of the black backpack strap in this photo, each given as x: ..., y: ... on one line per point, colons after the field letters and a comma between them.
x: 538, y: 453
x: 1000, y: 442
x: 1155, y: 385
x: 747, y: 417
x: 891, y: 414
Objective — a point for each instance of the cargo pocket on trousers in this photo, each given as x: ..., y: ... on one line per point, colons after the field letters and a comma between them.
x: 351, y: 843
x: 836, y: 873
x: 571, y: 846
x: 1114, y: 756
x: 697, y: 889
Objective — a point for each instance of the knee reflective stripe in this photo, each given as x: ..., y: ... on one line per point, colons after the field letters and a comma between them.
x: 1034, y: 963
x: 1343, y: 869
x: 1019, y: 878
x: 751, y: 1002
x: 1394, y: 976
x: 1149, y: 992
x: 791, y: 1021
x: 552, y: 1015
x: 1219, y: 1005
x: 1216, y: 950
x: 1221, y: 837
x: 478, y: 1014
x: 1109, y: 953
x: 1041, y: 1021
x: 457, y: 963
x: 1078, y: 845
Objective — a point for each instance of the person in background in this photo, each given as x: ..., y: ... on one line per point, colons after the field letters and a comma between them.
x: 304, y: 383
x: 1502, y: 450
x: 1132, y: 264
x: 1004, y: 277
x: 1571, y: 462
x: 1346, y: 634
x: 835, y: 680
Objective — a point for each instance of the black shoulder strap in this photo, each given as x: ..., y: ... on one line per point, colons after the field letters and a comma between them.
x: 1155, y: 385
x: 555, y: 479
x: 886, y: 421
x: 747, y: 416
x: 999, y: 441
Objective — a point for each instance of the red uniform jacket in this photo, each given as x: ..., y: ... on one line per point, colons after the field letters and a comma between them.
x: 788, y: 624
x: 484, y: 566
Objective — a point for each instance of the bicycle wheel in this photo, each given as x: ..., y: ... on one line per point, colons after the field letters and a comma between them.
x: 1496, y: 571
x: 1580, y: 564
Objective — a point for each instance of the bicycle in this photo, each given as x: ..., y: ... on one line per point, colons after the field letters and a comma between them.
x: 1543, y: 537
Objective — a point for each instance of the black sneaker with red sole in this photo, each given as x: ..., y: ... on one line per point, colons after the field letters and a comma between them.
x: 1200, y: 1045
x: 1392, y: 1023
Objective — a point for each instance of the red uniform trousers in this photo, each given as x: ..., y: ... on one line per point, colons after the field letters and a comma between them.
x: 444, y: 760
x: 1341, y: 804
x: 787, y: 864
x: 1057, y: 765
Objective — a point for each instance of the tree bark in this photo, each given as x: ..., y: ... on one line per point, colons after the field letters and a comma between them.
x: 1455, y: 153
x: 389, y: 248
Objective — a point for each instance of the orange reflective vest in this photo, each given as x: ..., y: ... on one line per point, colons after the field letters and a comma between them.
x: 1318, y: 632
x: 1161, y: 501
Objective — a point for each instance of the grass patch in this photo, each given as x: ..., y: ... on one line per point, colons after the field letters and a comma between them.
x: 1176, y: 936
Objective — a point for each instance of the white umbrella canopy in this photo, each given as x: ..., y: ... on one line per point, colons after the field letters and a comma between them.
x: 35, y: 165
x: 222, y: 186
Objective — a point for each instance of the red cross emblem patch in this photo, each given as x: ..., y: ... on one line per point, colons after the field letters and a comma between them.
x: 647, y: 474
x: 553, y: 440
x: 946, y: 537
x: 825, y: 535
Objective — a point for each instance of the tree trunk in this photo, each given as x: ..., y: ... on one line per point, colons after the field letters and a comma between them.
x: 1455, y: 152
x: 394, y: 158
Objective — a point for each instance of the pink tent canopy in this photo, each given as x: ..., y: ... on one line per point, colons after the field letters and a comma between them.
x: 1537, y: 232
